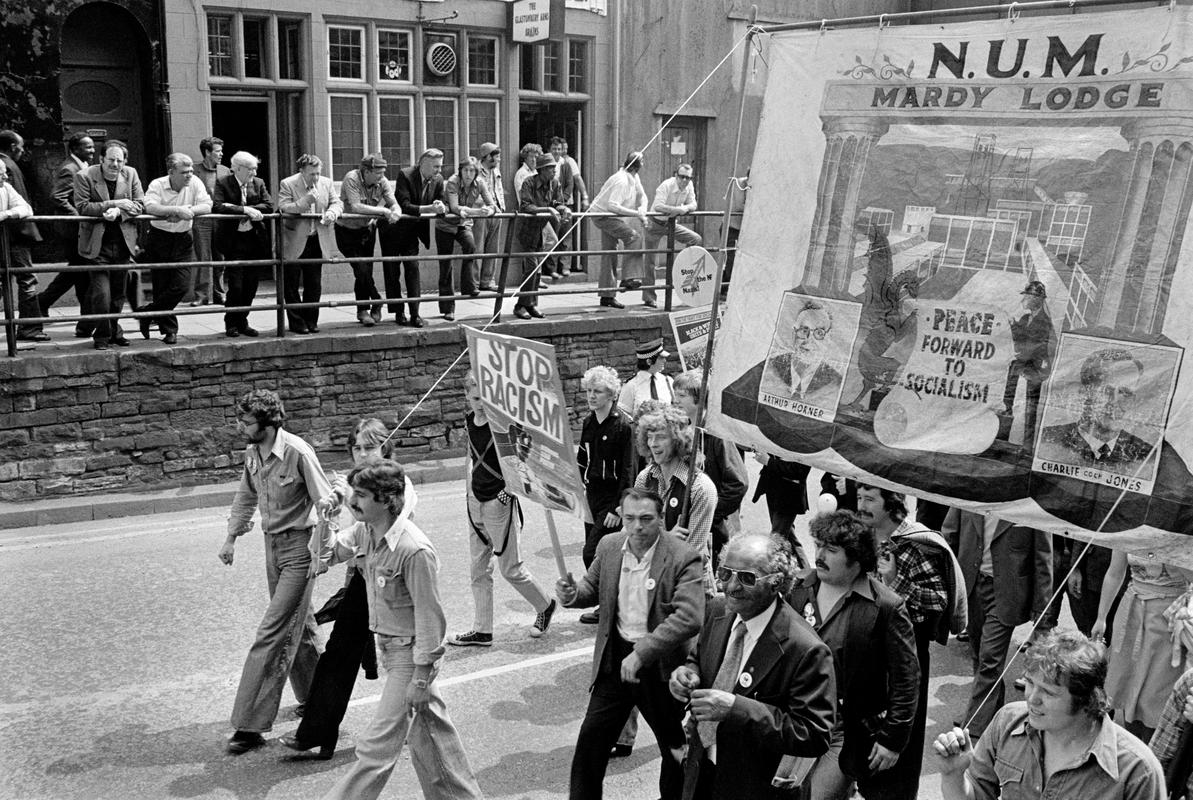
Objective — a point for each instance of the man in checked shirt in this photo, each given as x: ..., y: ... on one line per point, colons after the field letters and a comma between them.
x: 915, y: 577
x: 282, y: 478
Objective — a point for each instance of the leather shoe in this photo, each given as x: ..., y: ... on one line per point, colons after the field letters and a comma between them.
x: 312, y: 329
x: 630, y: 284
x: 170, y: 338
x: 400, y: 319
x: 612, y: 302
x: 102, y: 346
x: 120, y: 341
x: 450, y: 317
x: 621, y: 751
x: 80, y: 333
x: 590, y: 617
x: 418, y: 322
x: 474, y: 293
x: 650, y: 304
x: 231, y: 333
x: 488, y: 287
x: 521, y: 313
x: 36, y: 336
x: 301, y: 330
x: 252, y: 333
x: 326, y: 751
x: 144, y: 323
x: 534, y: 312
x: 244, y: 741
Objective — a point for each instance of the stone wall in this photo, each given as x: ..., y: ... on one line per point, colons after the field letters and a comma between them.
x: 151, y: 419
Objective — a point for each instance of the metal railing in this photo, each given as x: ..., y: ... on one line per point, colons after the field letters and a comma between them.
x: 277, y: 262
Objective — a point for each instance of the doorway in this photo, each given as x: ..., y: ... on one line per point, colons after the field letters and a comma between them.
x: 539, y: 121
x: 682, y: 142
x: 245, y: 123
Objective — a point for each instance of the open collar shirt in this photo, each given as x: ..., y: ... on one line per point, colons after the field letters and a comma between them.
x: 354, y: 192
x: 160, y: 192
x: 633, y: 592
x: 285, y: 483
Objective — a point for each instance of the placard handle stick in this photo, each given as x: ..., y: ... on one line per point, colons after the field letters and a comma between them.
x: 555, y: 545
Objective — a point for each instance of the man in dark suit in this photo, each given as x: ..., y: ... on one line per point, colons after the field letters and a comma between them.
x: 803, y: 373
x: 868, y: 630
x: 242, y: 192
x: 650, y: 591
x: 21, y: 238
x: 419, y: 190
x: 760, y: 683
x: 1035, y: 343
x: 1008, y: 571
x: 110, y: 194
x: 80, y: 150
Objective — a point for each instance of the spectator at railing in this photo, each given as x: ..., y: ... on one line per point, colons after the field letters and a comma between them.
x: 467, y: 197
x: 21, y: 238
x: 488, y: 232
x: 622, y: 194
x: 307, y: 192
x: 111, y: 190
x: 242, y: 192
x: 538, y: 194
x: 175, y: 199
x: 208, y: 284
x: 529, y: 156
x: 575, y: 194
x: 675, y: 196
x: 365, y: 192
x: 419, y: 190
x: 80, y: 151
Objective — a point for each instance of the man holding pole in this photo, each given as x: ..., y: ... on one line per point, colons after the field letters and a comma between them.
x: 496, y: 521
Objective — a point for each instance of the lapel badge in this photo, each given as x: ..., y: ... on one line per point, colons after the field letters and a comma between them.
x: 650, y: 584
x: 810, y: 614
x: 746, y: 680
x: 381, y: 581
x: 673, y: 502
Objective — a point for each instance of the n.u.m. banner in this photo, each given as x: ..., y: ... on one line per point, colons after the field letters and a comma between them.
x: 518, y: 381
x: 988, y: 283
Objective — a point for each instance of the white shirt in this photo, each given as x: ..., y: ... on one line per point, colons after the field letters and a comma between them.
x: 520, y: 177
x: 492, y: 179
x: 637, y: 390
x: 989, y: 526
x: 623, y: 189
x: 633, y: 594
x: 670, y: 198
x: 193, y: 193
x: 11, y: 201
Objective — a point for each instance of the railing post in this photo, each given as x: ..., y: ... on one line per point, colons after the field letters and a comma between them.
x: 670, y: 262
x: 10, y: 321
x: 503, y: 273
x: 279, y: 280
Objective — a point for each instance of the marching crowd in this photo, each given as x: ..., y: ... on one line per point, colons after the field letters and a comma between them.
x: 762, y: 670
x: 397, y: 211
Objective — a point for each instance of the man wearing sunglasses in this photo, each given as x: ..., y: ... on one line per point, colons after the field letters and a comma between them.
x: 650, y: 592
x: 804, y: 370
x: 760, y: 684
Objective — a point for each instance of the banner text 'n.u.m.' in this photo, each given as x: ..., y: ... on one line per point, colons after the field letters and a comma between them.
x: 518, y: 381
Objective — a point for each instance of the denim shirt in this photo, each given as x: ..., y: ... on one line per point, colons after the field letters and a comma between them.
x: 1008, y: 763
x: 285, y: 486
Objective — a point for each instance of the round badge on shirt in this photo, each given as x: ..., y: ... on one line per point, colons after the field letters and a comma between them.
x: 673, y: 502
x: 746, y: 680
x: 650, y: 584
x: 381, y: 581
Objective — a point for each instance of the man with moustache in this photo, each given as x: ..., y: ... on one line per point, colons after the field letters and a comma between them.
x: 867, y: 628
x: 282, y: 478
x: 648, y: 587
x: 759, y: 685
x: 80, y: 152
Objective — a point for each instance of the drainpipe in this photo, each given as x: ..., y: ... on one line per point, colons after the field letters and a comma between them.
x: 615, y: 14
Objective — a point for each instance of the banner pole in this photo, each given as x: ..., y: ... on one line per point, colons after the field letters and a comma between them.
x: 555, y: 545
x: 702, y: 399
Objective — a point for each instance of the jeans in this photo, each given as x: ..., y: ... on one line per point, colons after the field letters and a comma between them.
x: 628, y: 231
x: 308, y: 278
x: 27, y: 305
x: 359, y: 243
x: 445, y: 242
x: 490, y: 238
x: 500, y: 525
x: 435, y: 747
x: 169, y: 285
x: 656, y: 237
x: 287, y: 638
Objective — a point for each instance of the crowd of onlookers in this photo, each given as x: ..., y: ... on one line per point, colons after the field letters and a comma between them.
x: 400, y: 211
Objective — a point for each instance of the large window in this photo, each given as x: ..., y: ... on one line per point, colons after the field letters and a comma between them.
x: 554, y: 67
x: 345, y: 53
x: 255, y: 47
x: 219, y: 45
x: 439, y: 124
x: 347, y: 114
x: 482, y: 61
x: 393, y: 56
x: 396, y: 118
x: 578, y: 66
x: 290, y: 49
x: 482, y: 124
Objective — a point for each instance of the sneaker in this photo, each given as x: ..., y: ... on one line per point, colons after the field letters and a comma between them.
x: 543, y: 621
x: 472, y: 639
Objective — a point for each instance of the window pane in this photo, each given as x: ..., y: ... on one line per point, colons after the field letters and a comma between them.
x: 290, y: 49
x: 344, y: 52
x: 577, y: 66
x: 393, y: 53
x: 219, y: 45
x: 482, y: 61
x: 551, y: 68
x: 528, y: 55
x: 254, y: 48
x: 482, y: 124
x: 397, y: 144
x: 441, y: 130
x: 347, y: 134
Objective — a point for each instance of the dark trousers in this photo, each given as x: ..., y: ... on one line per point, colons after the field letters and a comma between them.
x: 304, y: 284
x: 989, y: 638
x: 108, y: 288
x: 903, y: 779
x: 529, y: 280
x: 398, y: 243
x: 359, y: 243
x: 445, y: 242
x: 27, y: 304
x: 1090, y: 572
x: 602, y: 497
x: 1031, y: 400
x: 609, y: 707
x: 242, y: 281
x: 350, y: 643
x: 169, y: 285
x: 63, y: 282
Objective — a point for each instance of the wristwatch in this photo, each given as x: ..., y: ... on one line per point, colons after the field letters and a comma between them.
x: 421, y: 683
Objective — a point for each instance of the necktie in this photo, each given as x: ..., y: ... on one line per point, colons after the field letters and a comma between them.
x: 1103, y: 452
x: 426, y: 192
x: 654, y: 390
x: 244, y: 194
x: 726, y: 678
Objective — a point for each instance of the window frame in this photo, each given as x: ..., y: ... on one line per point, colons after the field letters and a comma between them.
x: 230, y: 56
x: 364, y: 105
x: 410, y: 105
x: 427, y: 143
x: 496, y: 40
x: 363, y: 62
x: 496, y: 103
x: 411, y: 45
